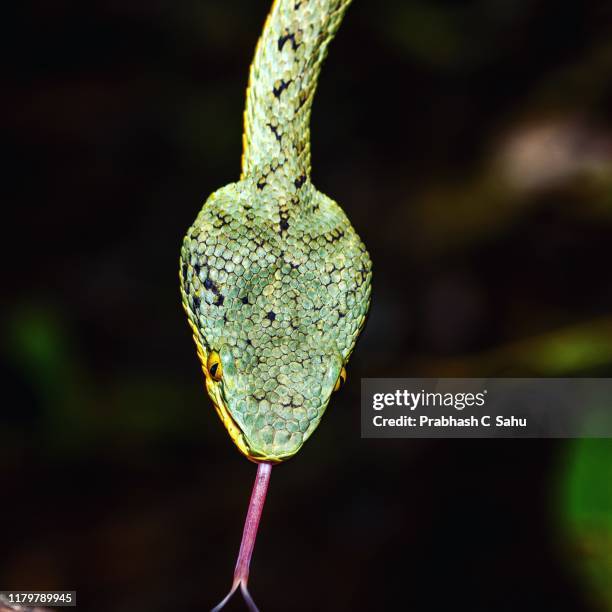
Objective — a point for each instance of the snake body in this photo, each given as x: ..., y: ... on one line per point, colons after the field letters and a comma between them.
x: 274, y: 279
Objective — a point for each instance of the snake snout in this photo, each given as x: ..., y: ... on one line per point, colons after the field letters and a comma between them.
x: 279, y: 406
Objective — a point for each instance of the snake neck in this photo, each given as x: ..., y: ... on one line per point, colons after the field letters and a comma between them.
x: 282, y: 82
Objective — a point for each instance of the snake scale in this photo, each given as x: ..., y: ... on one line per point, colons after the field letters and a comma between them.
x: 274, y: 279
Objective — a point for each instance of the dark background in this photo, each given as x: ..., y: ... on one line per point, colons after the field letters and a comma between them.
x: 470, y: 144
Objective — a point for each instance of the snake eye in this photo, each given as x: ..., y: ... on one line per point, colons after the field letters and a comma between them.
x: 213, y: 365
x: 341, y: 380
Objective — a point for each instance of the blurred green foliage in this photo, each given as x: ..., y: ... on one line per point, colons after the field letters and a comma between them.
x: 586, y: 514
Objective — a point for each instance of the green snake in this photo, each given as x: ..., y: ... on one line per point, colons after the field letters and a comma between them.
x: 274, y: 279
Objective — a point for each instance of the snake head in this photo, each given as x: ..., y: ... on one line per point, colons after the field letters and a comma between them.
x: 276, y: 294
x: 270, y: 405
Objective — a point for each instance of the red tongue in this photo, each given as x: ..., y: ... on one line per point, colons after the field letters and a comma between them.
x: 249, y: 534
